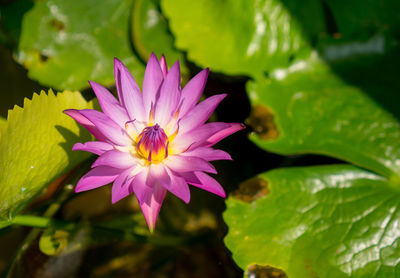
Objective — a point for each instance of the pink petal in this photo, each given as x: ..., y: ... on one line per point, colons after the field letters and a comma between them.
x: 200, y: 113
x: 180, y: 163
x: 97, y: 177
x: 110, y: 105
x: 197, y: 137
x: 116, y: 159
x: 163, y: 65
x: 205, y: 182
x: 77, y: 116
x: 139, y: 186
x: 110, y: 129
x: 178, y: 187
x: 218, y: 136
x: 151, y: 206
x: 208, y: 154
x: 158, y: 173
x: 152, y: 80
x: 168, y: 99
x: 129, y: 92
x: 121, y: 187
x: 95, y: 147
x: 191, y: 93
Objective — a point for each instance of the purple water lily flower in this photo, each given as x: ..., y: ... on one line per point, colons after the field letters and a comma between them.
x: 153, y: 142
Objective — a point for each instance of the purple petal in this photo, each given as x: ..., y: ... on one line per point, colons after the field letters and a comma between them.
x: 208, y: 154
x: 200, y: 114
x: 95, y: 147
x: 178, y: 187
x: 218, y: 136
x: 110, y: 105
x: 158, y: 173
x: 121, y: 188
x: 116, y: 159
x: 191, y: 93
x: 129, y: 92
x: 179, y: 163
x: 139, y: 186
x: 151, y: 206
x: 205, y: 182
x: 152, y: 80
x: 163, y: 65
x: 77, y: 116
x: 97, y: 177
x: 198, y: 136
x: 107, y: 127
x: 169, y: 97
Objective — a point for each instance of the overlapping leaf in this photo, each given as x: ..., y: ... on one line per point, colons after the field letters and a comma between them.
x: 150, y: 33
x: 36, y: 147
x: 239, y: 37
x: 65, y: 43
x: 321, y: 221
x: 316, y: 112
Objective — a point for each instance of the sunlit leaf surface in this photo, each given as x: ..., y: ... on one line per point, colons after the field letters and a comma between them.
x: 237, y: 37
x: 313, y: 111
x: 36, y: 147
x: 323, y: 221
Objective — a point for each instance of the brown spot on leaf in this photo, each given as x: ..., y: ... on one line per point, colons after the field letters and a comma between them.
x: 262, y: 121
x: 265, y: 271
x: 58, y: 25
x: 251, y: 190
x: 43, y: 58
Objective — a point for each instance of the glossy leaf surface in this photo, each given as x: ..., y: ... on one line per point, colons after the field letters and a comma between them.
x: 325, y: 221
x: 66, y: 43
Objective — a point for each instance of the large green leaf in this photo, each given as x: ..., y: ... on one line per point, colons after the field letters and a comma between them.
x: 327, y: 221
x: 36, y: 147
x: 65, y: 43
x: 150, y: 33
x: 363, y: 17
x: 239, y: 37
x: 313, y: 111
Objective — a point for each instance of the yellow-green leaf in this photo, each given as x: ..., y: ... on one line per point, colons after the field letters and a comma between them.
x: 36, y: 147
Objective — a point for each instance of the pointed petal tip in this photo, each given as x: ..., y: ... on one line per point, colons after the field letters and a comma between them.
x: 68, y: 111
x: 151, y: 228
x: 116, y: 60
x: 77, y: 146
x: 153, y: 56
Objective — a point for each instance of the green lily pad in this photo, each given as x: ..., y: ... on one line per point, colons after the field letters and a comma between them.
x: 307, y: 109
x: 150, y: 33
x: 239, y: 37
x: 326, y: 221
x: 64, y: 44
x: 36, y: 147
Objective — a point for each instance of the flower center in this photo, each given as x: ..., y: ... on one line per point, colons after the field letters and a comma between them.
x: 152, y: 144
